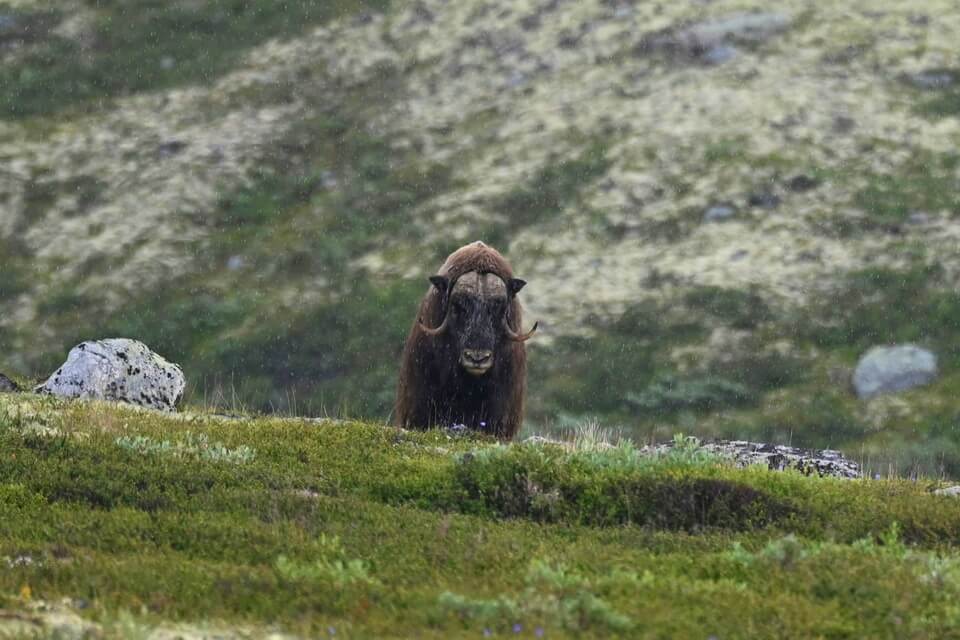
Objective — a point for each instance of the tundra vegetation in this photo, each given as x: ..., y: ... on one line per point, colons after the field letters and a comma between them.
x: 281, y: 269
x: 297, y: 169
x: 136, y: 521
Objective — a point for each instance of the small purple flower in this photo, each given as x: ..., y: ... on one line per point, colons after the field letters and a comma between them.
x: 538, y: 632
x: 331, y: 631
x: 487, y: 633
x: 483, y: 424
x: 517, y: 627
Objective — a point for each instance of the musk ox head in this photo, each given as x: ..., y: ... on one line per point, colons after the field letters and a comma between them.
x: 476, y: 317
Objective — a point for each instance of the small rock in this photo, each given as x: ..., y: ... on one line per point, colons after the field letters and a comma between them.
x: 953, y: 491
x: 740, y: 27
x: 171, y: 148
x: 7, y: 385
x: 764, y: 200
x: 719, y: 54
x: 933, y: 79
x: 889, y: 369
x: 328, y: 179
x: 516, y: 79
x: 719, y: 213
x: 711, y: 42
x: 800, y: 183
x: 167, y: 63
x: 119, y: 370
x: 844, y: 124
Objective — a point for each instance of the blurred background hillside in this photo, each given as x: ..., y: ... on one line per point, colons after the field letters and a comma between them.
x: 719, y: 207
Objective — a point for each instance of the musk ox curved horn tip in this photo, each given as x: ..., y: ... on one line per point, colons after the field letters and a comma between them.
x: 432, y: 332
x: 520, y: 337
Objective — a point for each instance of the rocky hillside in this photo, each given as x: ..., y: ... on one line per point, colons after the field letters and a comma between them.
x: 719, y: 208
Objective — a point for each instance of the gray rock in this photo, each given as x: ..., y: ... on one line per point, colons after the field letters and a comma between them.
x: 719, y: 54
x: 719, y: 213
x: 738, y: 27
x: 118, y: 370
x: 801, y: 182
x: 933, y: 79
x: 953, y: 491
x: 712, y: 42
x: 826, y: 462
x: 7, y: 385
x: 889, y: 369
x: 764, y: 200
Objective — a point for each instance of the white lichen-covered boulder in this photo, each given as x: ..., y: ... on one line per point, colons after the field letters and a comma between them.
x: 890, y: 369
x: 119, y: 370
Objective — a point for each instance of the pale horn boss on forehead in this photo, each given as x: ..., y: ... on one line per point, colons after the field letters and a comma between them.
x: 465, y: 360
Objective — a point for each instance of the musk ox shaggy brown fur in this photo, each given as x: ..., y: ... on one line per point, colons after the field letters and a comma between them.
x: 465, y: 361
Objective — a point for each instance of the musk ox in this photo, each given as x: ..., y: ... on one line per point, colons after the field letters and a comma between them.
x: 465, y: 361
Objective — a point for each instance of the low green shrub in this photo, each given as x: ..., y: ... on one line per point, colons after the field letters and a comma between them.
x: 668, y: 394
x: 736, y: 308
x: 332, y: 566
x: 194, y: 446
x: 554, y: 596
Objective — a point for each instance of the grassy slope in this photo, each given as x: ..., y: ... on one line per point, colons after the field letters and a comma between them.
x: 268, y: 309
x: 306, y: 526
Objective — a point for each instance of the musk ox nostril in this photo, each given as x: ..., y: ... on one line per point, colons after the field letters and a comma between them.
x: 477, y: 357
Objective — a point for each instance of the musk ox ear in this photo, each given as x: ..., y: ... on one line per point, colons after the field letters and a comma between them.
x: 440, y: 282
x: 514, y: 285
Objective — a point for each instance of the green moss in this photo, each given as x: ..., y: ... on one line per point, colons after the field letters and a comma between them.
x: 724, y: 151
x: 924, y: 183
x: 17, y: 272
x: 734, y: 307
x: 945, y: 101
x: 145, y: 45
x: 595, y: 374
x: 554, y: 188
x: 885, y: 306
x: 668, y: 394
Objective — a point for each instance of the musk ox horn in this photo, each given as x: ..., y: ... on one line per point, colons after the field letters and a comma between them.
x: 519, y: 337
x: 434, y: 332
